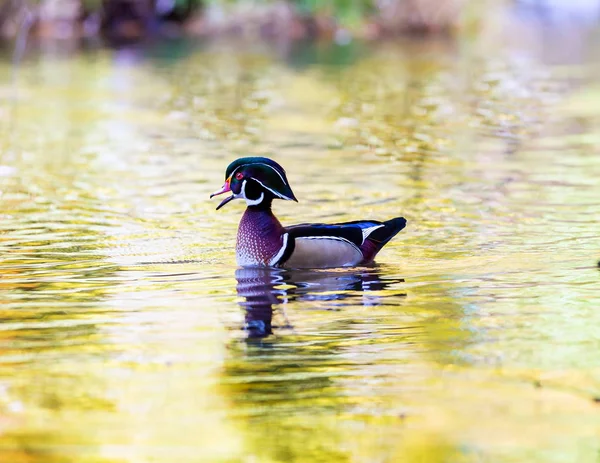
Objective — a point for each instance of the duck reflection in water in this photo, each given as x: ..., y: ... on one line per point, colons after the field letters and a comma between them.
x: 264, y: 287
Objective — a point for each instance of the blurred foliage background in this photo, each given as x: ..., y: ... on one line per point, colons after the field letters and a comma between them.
x: 337, y: 19
x: 127, y: 335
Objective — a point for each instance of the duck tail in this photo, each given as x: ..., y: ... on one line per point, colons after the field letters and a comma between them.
x: 380, y: 237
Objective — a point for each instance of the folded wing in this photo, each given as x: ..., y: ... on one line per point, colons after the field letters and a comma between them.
x: 335, y: 245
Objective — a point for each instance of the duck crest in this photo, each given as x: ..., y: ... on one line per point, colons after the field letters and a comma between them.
x: 259, y: 237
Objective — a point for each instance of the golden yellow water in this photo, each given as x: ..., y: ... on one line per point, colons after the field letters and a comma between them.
x: 128, y: 335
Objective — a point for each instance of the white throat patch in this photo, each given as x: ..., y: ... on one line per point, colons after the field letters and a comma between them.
x: 250, y: 202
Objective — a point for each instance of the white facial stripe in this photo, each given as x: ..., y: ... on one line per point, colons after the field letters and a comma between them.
x: 236, y: 169
x: 251, y: 202
x: 276, y: 171
x: 261, y: 183
x: 271, y: 190
x: 262, y: 164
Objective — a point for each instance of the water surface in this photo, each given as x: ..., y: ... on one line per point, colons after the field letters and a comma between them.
x: 128, y: 334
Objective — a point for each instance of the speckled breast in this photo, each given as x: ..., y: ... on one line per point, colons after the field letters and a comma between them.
x: 258, y: 238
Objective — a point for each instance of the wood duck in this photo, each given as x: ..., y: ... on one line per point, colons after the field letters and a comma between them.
x: 263, y: 241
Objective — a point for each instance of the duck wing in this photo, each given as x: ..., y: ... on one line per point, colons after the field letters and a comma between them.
x: 334, y: 245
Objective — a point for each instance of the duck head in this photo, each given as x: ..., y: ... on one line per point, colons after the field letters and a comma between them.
x: 257, y: 180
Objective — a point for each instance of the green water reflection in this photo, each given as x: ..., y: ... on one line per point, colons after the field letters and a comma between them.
x: 128, y: 335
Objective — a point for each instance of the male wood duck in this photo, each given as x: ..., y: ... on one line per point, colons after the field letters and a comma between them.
x: 262, y: 240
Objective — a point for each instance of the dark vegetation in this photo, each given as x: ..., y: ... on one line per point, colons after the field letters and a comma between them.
x: 295, y: 19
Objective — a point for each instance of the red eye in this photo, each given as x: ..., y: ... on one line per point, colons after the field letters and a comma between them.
x: 239, y: 176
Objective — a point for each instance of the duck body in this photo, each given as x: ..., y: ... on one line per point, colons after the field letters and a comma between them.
x: 263, y: 241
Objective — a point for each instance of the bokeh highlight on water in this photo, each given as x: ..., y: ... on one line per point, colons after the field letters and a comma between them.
x: 128, y: 334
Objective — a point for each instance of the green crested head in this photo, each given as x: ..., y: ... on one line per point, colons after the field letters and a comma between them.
x: 258, y: 180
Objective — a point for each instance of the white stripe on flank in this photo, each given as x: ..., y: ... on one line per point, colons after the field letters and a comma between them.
x: 337, y: 238
x: 277, y: 257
